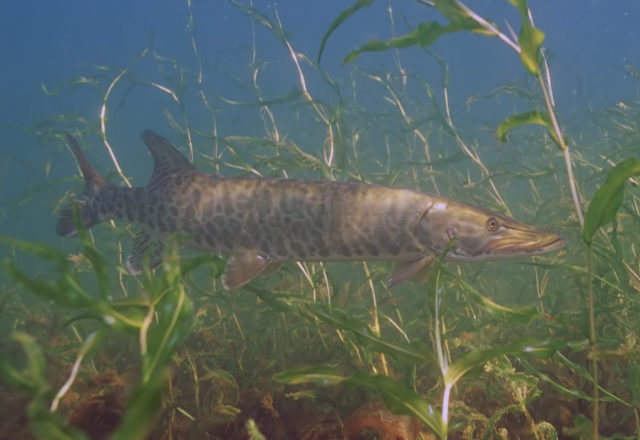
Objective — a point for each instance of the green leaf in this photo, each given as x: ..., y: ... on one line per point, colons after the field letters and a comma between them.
x: 607, y: 200
x: 31, y: 375
x: 51, y: 426
x: 174, y: 311
x: 398, y: 397
x: 531, y: 117
x: 414, y: 353
x: 254, y: 431
x: 81, y: 80
x: 39, y: 250
x: 403, y: 400
x: 582, y: 428
x: 478, y: 358
x: 339, y: 20
x: 523, y: 315
x: 294, y: 94
x: 424, y: 35
x: 547, y: 430
x: 262, y: 19
x: 317, y: 375
x: 215, y: 262
x: 172, y: 324
x: 526, y: 118
x: 460, y: 16
x: 142, y: 410
x: 65, y: 290
x: 98, y: 262
x: 530, y: 39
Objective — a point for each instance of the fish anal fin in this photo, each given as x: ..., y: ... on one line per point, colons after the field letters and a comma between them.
x: 416, y: 270
x: 145, y: 249
x: 244, y: 266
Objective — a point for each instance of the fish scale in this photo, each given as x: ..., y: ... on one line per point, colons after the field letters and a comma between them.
x: 261, y: 223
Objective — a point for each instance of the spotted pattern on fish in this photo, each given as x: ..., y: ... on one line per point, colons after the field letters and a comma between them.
x: 259, y: 222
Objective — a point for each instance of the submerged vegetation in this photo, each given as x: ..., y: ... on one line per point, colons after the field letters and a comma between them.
x: 324, y: 350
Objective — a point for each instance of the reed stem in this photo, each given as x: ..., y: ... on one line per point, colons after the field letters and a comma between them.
x: 593, y: 341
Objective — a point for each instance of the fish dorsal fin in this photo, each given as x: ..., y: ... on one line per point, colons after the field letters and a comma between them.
x: 243, y: 266
x: 145, y: 249
x: 166, y: 157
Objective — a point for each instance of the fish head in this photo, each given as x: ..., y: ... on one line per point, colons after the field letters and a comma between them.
x: 467, y: 233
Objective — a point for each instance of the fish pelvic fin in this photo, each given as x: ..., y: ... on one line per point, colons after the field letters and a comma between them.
x: 79, y: 212
x: 244, y: 266
x: 166, y: 157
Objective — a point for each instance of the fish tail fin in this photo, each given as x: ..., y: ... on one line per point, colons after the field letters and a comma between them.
x: 80, y: 211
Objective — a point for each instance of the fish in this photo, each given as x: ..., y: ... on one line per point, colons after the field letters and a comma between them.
x: 260, y: 223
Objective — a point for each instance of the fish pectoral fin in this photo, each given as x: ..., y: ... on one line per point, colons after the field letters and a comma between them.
x: 244, y: 266
x: 145, y: 249
x: 417, y: 271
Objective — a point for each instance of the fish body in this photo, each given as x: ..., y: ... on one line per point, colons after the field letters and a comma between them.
x: 261, y: 223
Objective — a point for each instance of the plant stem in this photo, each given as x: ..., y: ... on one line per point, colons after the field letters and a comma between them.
x: 593, y: 340
x: 548, y: 99
x: 564, y: 147
x: 442, y: 358
x: 86, y: 347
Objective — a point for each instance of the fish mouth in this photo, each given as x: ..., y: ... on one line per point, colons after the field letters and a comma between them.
x: 525, y: 242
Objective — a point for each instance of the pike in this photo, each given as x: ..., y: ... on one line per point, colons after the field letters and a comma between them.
x: 262, y: 223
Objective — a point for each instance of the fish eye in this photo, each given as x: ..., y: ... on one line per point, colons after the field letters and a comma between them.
x: 492, y: 224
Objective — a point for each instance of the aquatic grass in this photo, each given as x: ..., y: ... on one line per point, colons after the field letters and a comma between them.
x: 31, y: 378
x: 161, y: 316
x: 330, y: 118
x: 394, y: 392
x: 603, y: 209
x: 528, y: 46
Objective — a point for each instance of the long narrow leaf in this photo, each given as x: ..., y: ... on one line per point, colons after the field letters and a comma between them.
x: 530, y: 39
x: 526, y: 314
x: 318, y: 375
x: 526, y: 118
x: 479, y: 357
x: 415, y: 353
x: 424, y: 35
x: 607, y: 200
x: 398, y: 397
x: 339, y: 20
x: 460, y: 15
x: 403, y: 400
x: 261, y: 18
